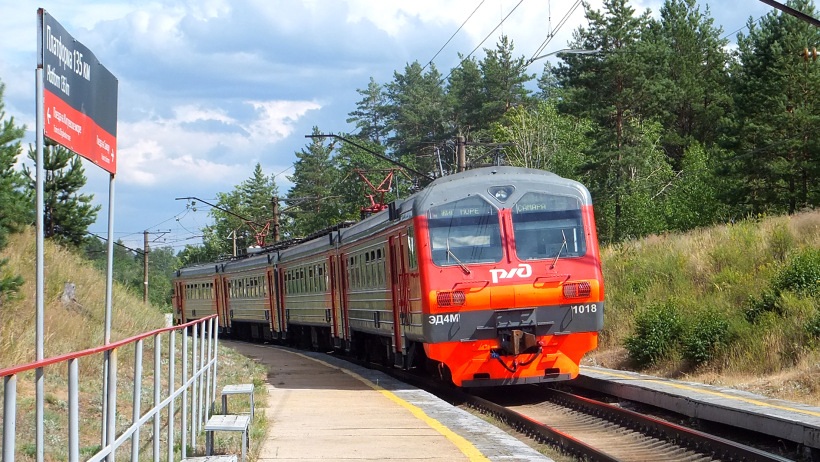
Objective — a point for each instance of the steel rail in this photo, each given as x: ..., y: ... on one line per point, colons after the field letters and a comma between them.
x: 686, y: 437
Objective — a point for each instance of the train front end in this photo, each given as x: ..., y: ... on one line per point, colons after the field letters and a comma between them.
x: 510, y: 274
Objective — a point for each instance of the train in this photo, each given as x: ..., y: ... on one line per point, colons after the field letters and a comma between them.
x: 488, y: 277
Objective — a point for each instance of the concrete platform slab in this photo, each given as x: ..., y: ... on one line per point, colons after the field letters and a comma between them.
x: 324, y: 408
x: 785, y: 419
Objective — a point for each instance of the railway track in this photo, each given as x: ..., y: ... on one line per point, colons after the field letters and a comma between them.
x: 590, y: 429
x: 601, y: 431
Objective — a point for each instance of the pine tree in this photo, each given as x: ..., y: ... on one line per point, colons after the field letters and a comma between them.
x: 504, y: 78
x: 257, y: 192
x: 314, y: 177
x: 548, y: 84
x: 370, y: 113
x: 67, y: 213
x: 466, y: 98
x: 687, y: 76
x: 416, y: 115
x: 251, y: 200
x: 609, y: 88
x: 15, y: 205
x: 778, y: 112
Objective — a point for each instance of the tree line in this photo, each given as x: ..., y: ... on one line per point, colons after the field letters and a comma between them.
x: 669, y: 126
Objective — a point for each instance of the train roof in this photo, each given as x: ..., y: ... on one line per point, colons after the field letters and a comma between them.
x: 253, y: 261
x: 479, y: 181
x: 200, y: 269
x: 441, y: 191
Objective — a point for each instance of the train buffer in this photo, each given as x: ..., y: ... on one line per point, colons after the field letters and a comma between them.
x: 227, y: 423
x: 241, y: 389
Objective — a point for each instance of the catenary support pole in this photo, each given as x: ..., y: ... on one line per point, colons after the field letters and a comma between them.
x: 275, y: 209
x: 462, y: 154
x: 145, y: 269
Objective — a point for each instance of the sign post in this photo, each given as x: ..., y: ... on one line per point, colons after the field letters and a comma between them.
x: 77, y: 109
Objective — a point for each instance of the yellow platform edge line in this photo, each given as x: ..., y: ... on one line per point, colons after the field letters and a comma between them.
x: 459, y: 441
x: 713, y: 393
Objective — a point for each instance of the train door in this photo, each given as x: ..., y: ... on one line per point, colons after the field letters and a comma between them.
x: 180, y: 295
x: 280, y: 297
x: 336, y: 301
x: 398, y: 279
x: 343, y: 291
x: 271, y: 294
x: 226, y: 304
x: 217, y: 303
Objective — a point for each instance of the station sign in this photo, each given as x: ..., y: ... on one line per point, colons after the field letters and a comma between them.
x: 79, y: 96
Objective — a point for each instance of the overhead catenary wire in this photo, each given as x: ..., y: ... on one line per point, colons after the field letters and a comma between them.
x: 554, y: 31
x: 454, y: 34
x: 137, y: 251
x: 482, y: 42
x: 745, y: 26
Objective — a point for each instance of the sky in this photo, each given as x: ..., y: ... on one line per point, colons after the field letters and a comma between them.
x: 210, y: 88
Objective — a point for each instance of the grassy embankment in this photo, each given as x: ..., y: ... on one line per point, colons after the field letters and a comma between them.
x: 79, y: 325
x: 735, y: 305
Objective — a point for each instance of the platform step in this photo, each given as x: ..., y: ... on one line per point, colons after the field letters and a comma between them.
x: 230, y: 458
x: 228, y: 423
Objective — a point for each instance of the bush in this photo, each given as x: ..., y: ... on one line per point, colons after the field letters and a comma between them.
x: 767, y: 303
x: 813, y: 326
x: 657, y: 332
x: 801, y: 274
x: 704, y: 339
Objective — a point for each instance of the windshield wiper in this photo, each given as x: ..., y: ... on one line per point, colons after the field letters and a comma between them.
x: 564, y: 244
x: 463, y: 267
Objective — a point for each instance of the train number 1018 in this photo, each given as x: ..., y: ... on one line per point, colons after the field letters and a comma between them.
x: 581, y: 309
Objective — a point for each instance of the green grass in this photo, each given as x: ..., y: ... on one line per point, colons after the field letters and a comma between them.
x: 741, y: 298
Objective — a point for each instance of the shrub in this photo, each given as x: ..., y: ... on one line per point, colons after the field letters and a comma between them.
x: 781, y: 241
x: 657, y: 331
x: 767, y: 303
x: 813, y: 326
x: 801, y: 274
x: 704, y: 339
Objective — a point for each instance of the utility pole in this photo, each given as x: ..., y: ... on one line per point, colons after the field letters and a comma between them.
x: 233, y: 235
x: 145, y: 269
x: 275, y: 208
x: 462, y: 155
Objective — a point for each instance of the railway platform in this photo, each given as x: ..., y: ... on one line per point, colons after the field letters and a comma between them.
x: 788, y: 420
x: 322, y: 408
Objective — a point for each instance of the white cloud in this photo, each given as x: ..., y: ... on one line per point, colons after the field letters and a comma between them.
x: 277, y: 117
x: 161, y: 150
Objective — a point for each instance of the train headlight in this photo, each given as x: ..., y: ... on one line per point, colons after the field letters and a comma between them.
x: 451, y: 298
x: 501, y: 193
x: 577, y: 290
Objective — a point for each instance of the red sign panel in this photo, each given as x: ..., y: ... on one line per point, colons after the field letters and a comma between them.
x: 79, y: 97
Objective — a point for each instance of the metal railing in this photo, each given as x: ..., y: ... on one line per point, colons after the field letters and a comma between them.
x: 197, y: 380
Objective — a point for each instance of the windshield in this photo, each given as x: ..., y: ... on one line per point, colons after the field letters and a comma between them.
x: 541, y: 222
x: 464, y: 232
